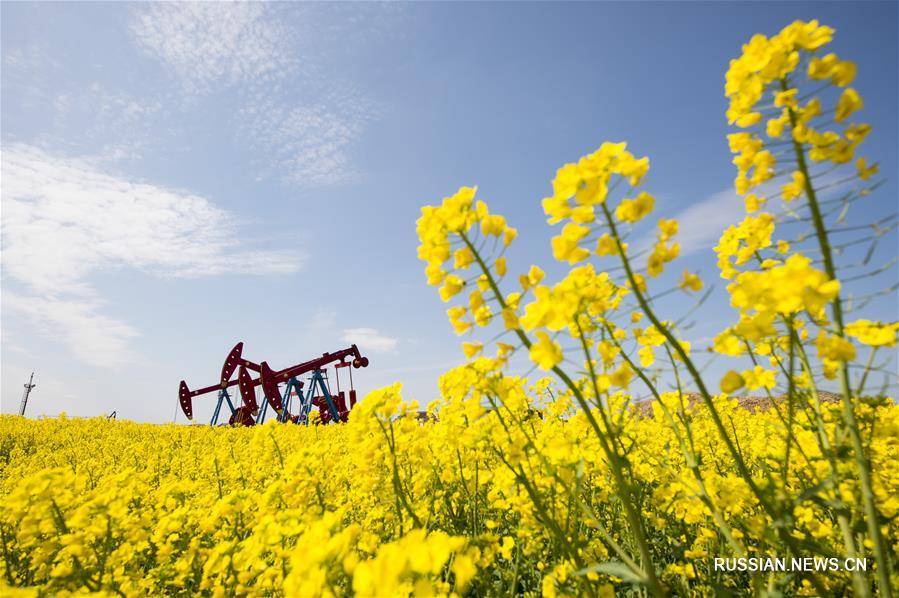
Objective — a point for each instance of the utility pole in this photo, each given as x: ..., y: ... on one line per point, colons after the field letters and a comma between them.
x: 27, y: 392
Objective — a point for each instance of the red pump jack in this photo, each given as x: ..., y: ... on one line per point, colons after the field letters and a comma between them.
x: 269, y: 380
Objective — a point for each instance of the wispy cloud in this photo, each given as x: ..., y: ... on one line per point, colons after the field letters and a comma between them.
x: 66, y: 219
x: 323, y: 320
x: 111, y: 124
x: 311, y: 144
x: 83, y: 117
x: 701, y: 223
x: 303, y: 140
x: 27, y: 71
x: 93, y: 338
x: 209, y: 43
x: 369, y: 339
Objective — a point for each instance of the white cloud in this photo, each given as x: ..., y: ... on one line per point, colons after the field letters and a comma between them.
x: 110, y: 124
x: 65, y: 219
x: 302, y: 139
x: 307, y: 145
x: 323, y: 320
x: 80, y: 116
x: 702, y: 223
x: 206, y: 43
x: 92, y: 337
x: 369, y: 339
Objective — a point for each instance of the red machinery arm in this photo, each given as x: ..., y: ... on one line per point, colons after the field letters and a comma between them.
x: 325, y: 359
x: 271, y: 379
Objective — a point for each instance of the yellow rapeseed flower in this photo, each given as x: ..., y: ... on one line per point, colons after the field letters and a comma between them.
x: 546, y: 352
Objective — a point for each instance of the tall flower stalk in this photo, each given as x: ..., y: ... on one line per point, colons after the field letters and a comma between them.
x: 615, y: 323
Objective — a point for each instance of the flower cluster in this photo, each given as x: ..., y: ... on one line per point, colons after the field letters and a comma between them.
x: 792, y: 104
x: 466, y: 503
x: 588, y: 181
x: 776, y: 68
x: 458, y: 214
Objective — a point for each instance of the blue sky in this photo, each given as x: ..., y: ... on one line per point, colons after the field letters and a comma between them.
x: 179, y: 177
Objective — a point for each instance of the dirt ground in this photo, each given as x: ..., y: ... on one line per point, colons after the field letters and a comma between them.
x: 747, y: 402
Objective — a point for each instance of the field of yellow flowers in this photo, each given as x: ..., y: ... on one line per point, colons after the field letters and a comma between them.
x: 554, y: 484
x: 479, y: 503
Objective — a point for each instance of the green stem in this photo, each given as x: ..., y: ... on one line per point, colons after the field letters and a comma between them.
x: 868, y: 365
x: 588, y: 510
x: 732, y: 448
x: 858, y: 581
x: 635, y: 522
x: 862, y: 462
x: 690, y: 458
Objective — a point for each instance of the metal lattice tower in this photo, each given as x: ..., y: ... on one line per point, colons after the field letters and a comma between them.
x: 25, y: 394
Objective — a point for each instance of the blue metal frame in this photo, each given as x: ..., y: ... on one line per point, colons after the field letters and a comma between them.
x: 223, y: 396
x: 294, y: 385
x: 261, y: 417
x: 286, y: 400
x: 304, y: 400
x: 317, y: 379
